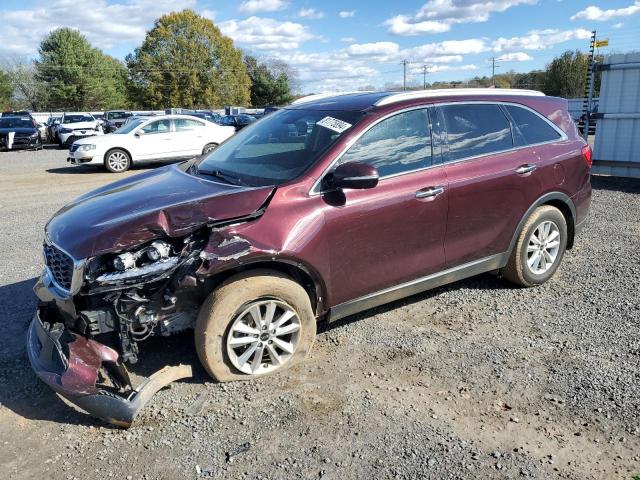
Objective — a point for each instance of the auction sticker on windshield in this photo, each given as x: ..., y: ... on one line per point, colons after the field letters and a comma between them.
x: 334, y: 124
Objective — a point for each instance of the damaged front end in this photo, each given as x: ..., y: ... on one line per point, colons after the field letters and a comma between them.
x: 78, y: 344
x: 125, y: 262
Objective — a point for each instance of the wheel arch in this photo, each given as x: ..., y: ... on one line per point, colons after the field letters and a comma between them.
x: 111, y: 149
x: 559, y: 200
x: 298, y: 271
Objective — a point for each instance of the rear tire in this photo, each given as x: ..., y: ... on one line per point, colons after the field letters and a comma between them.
x: 117, y: 161
x: 539, y: 248
x: 232, y: 346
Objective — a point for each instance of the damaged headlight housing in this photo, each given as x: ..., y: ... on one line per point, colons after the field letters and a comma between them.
x: 151, y: 260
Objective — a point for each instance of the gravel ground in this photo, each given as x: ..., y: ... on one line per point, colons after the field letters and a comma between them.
x: 474, y: 380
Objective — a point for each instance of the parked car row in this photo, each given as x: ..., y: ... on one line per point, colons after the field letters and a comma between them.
x: 163, y: 137
x: 19, y: 130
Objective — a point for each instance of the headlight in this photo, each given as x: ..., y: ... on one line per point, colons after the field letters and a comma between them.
x: 34, y: 135
x: 65, y: 130
x: 85, y: 148
x: 151, y: 260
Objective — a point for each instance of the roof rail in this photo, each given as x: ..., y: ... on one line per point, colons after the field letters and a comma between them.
x: 320, y: 96
x: 451, y: 92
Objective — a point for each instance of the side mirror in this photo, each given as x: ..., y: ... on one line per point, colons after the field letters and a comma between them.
x: 139, y: 133
x: 353, y: 175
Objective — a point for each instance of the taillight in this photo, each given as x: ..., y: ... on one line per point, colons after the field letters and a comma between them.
x: 587, y: 154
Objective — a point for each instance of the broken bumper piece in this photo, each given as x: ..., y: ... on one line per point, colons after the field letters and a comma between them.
x: 70, y: 365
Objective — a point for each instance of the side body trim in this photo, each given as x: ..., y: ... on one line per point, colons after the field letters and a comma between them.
x: 418, y: 285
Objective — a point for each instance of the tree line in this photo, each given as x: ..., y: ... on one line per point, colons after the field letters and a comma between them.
x: 184, y: 61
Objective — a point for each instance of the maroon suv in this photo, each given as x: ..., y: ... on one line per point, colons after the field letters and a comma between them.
x: 320, y: 210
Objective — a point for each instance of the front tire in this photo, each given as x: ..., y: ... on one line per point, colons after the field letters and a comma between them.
x: 117, y: 161
x: 255, y: 324
x: 539, y: 248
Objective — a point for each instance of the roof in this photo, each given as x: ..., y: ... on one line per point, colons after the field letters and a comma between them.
x: 364, y: 100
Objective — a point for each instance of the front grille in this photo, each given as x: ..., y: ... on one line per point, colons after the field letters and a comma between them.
x: 60, y: 264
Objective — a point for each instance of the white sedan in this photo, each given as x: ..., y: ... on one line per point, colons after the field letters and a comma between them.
x: 166, y: 137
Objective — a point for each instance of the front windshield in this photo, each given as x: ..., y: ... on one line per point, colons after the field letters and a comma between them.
x: 77, y: 118
x: 16, y: 122
x: 279, y: 147
x: 132, y: 125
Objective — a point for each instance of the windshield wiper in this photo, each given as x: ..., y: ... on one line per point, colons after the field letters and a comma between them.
x: 221, y: 175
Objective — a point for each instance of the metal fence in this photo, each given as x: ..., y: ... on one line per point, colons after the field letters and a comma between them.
x: 617, y: 142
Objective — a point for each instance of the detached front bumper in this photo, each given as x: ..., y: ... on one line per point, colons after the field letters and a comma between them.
x: 70, y: 364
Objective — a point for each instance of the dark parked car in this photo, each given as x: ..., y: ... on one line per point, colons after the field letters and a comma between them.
x: 114, y: 119
x: 237, y: 121
x: 52, y: 125
x: 385, y: 195
x: 19, y: 132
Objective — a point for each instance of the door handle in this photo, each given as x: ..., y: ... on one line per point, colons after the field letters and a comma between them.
x: 429, y: 192
x: 524, y: 169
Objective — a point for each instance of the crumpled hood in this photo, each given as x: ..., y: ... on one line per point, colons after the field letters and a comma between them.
x: 161, y: 202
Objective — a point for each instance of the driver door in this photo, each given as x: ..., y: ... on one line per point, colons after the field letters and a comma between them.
x: 394, y: 232
x: 155, y: 140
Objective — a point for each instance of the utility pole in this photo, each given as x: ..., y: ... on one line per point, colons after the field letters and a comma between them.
x: 493, y: 70
x: 404, y: 81
x: 424, y: 77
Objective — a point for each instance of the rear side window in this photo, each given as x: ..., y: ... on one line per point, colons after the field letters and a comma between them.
x: 184, y: 125
x: 530, y: 128
x: 476, y: 130
x: 395, y: 145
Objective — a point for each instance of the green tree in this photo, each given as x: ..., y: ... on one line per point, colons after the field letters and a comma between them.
x: 6, y: 90
x: 79, y: 76
x: 270, y: 83
x: 185, y: 61
x: 566, y: 75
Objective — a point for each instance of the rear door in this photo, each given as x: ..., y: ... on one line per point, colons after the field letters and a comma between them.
x: 491, y: 182
x: 394, y: 232
x: 189, y: 136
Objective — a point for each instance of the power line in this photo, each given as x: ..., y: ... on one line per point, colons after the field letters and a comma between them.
x: 493, y: 69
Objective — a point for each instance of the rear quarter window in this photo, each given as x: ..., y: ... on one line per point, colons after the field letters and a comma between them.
x: 530, y: 128
x: 476, y: 129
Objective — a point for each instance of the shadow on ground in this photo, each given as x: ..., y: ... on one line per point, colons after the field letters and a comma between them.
x: 616, y: 184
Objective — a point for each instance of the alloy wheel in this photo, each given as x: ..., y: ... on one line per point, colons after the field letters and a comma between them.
x: 543, y: 247
x: 263, y: 337
x: 118, y: 161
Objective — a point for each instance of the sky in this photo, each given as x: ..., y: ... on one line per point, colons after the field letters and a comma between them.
x: 337, y: 45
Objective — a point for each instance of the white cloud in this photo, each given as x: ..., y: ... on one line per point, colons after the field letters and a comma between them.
x: 402, y: 25
x: 310, y: 13
x: 426, y: 52
x: 419, y: 69
x: 617, y: 26
x: 104, y: 24
x: 347, y: 39
x: 329, y: 71
x: 347, y: 13
x: 266, y: 33
x: 253, y: 6
x: 514, y: 57
x: 210, y: 14
x: 540, y: 39
x: 375, y: 49
x: 595, y: 13
x: 437, y: 16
